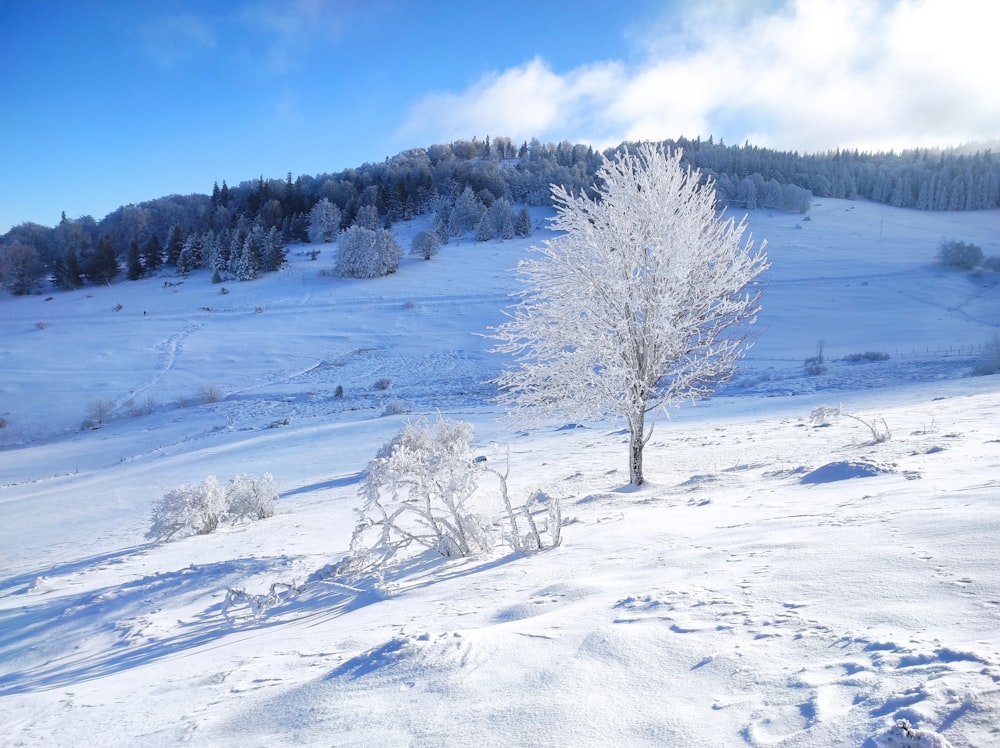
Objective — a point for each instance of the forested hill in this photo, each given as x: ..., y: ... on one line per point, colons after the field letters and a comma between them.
x: 461, y: 179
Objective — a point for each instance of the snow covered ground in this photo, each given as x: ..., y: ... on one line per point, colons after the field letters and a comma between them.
x: 778, y: 581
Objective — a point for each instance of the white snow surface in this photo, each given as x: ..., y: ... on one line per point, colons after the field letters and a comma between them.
x: 776, y: 583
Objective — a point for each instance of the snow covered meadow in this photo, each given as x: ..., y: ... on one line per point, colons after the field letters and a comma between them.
x: 780, y: 580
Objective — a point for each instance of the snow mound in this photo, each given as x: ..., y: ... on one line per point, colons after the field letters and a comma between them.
x: 844, y: 470
x: 904, y: 735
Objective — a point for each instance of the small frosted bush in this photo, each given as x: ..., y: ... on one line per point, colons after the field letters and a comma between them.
x: 188, y: 510
x: 397, y: 408
x: 989, y: 361
x: 383, y: 384
x: 197, y: 509
x: 250, y: 497
x: 418, y: 496
x: 961, y: 255
x: 855, y: 358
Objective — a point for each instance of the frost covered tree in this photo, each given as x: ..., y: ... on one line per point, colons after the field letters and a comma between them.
x: 637, y: 306
x: 522, y: 224
x: 20, y: 267
x: 502, y: 219
x: 425, y: 244
x: 366, y: 253
x: 324, y: 222
x: 191, y: 257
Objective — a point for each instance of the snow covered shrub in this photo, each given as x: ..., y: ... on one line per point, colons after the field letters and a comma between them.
x: 366, y: 253
x: 989, y: 361
x: 209, y: 393
x: 97, y: 412
x: 250, y: 497
x: 815, y: 365
x: 197, y: 509
x: 188, y: 510
x: 397, y: 408
x: 826, y: 415
x: 415, y: 491
x: 992, y: 264
x: 961, y: 255
x: 426, y: 244
x: 383, y: 384
x: 418, y: 495
x: 869, y: 356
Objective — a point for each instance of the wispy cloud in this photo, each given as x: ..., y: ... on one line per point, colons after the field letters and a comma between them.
x: 807, y: 75
x: 173, y: 39
x: 289, y: 28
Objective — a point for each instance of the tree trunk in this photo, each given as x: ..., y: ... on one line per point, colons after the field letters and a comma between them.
x: 635, y: 445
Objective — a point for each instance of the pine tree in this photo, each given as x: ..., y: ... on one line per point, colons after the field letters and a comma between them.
x: 522, y: 224
x: 104, y: 267
x: 67, y: 271
x: 191, y: 257
x: 484, y: 231
x: 175, y: 244
x: 274, y: 252
x: 152, y: 254
x: 134, y: 262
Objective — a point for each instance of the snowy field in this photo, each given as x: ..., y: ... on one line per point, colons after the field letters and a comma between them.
x: 777, y: 583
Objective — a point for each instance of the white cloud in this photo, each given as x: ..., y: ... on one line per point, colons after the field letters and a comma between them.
x: 808, y: 76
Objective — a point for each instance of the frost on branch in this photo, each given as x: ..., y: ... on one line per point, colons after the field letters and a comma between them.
x: 193, y: 509
x: 198, y: 508
x: 250, y: 497
x: 420, y: 494
x: 637, y: 306
x: 366, y: 253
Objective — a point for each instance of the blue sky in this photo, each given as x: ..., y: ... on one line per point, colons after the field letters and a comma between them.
x: 109, y: 103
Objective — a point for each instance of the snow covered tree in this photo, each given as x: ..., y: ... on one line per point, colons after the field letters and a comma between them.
x: 366, y: 253
x: 250, y: 261
x: 175, y: 244
x: 274, y: 251
x: 191, y: 257
x: 442, y: 221
x: 324, y: 222
x: 367, y: 218
x: 20, y: 267
x: 502, y: 219
x: 637, y: 306
x: 465, y: 213
x: 522, y: 223
x: 425, y: 244
x: 484, y: 231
